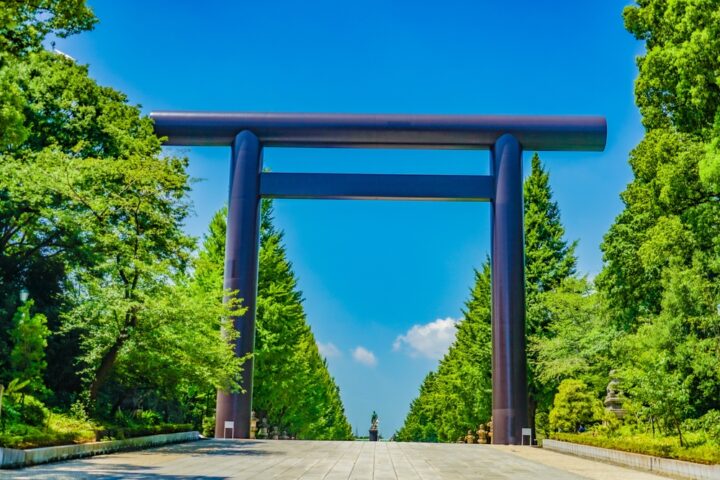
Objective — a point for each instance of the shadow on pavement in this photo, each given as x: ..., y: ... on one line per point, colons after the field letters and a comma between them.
x: 217, y: 447
x: 59, y: 471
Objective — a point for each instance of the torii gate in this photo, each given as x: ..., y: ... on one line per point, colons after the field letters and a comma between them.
x: 504, y: 136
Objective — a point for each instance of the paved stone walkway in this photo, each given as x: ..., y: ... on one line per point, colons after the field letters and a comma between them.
x: 291, y: 460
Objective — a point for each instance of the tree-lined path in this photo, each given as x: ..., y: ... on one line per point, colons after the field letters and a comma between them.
x: 290, y: 460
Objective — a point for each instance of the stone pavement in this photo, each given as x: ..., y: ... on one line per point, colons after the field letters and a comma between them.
x: 290, y: 460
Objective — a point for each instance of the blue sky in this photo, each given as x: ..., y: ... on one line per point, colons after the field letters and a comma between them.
x: 383, y: 281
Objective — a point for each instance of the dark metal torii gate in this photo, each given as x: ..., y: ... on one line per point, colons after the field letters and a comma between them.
x: 504, y: 136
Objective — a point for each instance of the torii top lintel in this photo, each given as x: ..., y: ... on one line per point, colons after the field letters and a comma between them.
x: 542, y: 133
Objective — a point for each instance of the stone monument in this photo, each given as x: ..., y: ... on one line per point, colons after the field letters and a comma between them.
x: 262, y: 432
x: 613, y: 400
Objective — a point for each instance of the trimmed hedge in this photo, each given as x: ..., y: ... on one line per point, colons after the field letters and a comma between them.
x: 121, y: 433
x: 666, y: 447
x: 35, y: 438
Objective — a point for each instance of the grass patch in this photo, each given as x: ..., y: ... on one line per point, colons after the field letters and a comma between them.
x: 698, y: 449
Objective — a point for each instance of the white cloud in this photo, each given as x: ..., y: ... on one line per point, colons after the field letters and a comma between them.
x: 364, y: 356
x: 430, y: 340
x: 328, y: 350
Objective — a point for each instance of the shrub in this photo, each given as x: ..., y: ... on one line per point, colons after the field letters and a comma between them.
x: 120, y: 433
x: 33, y: 412
x: 574, y: 405
x: 147, y: 417
x: 208, y: 426
x: 542, y: 424
x: 709, y: 424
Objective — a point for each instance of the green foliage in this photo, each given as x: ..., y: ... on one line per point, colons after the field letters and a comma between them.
x: 708, y: 424
x: 578, y: 343
x: 24, y: 25
x: 33, y: 411
x: 574, y: 405
x: 91, y: 223
x: 27, y: 357
x: 292, y: 386
x: 549, y: 260
x: 90, y: 189
x: 678, y: 84
x: 7, y: 395
x: 662, y: 254
x: 121, y: 433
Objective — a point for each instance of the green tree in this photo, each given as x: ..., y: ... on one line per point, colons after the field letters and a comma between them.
x: 678, y: 85
x: 35, y: 240
x: 419, y: 425
x: 574, y: 405
x: 457, y: 397
x: 579, y: 341
x: 29, y: 336
x: 662, y: 254
x: 292, y: 386
x: 549, y: 261
x: 25, y: 24
x: 90, y: 199
x: 91, y: 216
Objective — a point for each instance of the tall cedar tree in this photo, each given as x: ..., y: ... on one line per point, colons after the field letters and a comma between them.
x: 458, y: 397
x: 662, y: 254
x: 292, y: 386
x: 549, y: 261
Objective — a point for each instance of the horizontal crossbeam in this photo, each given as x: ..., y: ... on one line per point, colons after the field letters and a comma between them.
x: 343, y: 186
x: 582, y: 133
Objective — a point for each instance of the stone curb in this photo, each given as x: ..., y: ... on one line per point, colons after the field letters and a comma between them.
x: 663, y: 466
x: 13, y: 458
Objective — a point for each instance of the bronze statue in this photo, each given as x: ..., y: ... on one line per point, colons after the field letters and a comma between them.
x: 482, y: 436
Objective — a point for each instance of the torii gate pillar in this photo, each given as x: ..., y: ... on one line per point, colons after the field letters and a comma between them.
x: 509, y: 366
x: 241, y: 273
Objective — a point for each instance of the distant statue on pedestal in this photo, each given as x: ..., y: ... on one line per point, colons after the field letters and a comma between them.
x: 374, y: 424
x: 470, y: 438
x: 490, y: 430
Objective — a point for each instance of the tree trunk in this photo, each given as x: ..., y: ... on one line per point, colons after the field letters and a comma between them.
x: 677, y: 424
x: 106, y: 366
